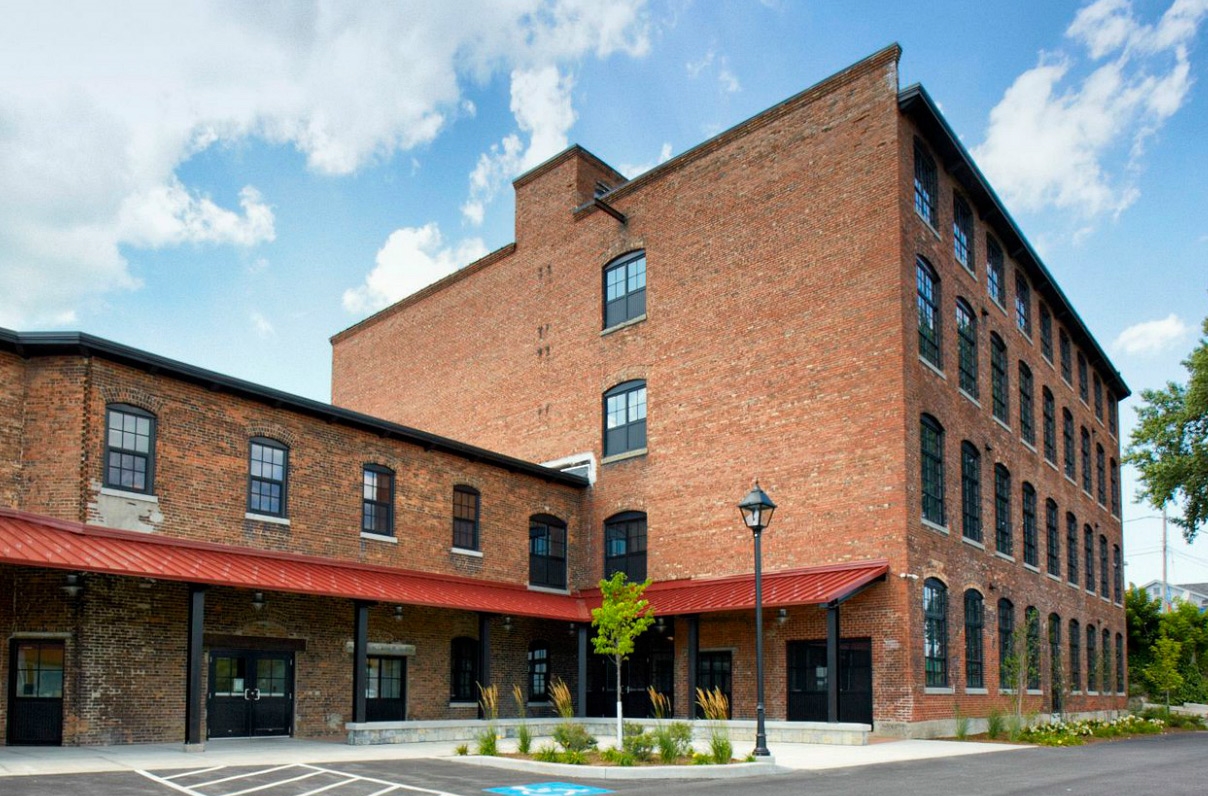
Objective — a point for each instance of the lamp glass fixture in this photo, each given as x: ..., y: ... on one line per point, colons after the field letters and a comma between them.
x: 757, y: 509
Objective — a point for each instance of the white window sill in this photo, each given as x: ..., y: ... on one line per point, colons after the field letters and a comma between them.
x: 463, y: 704
x: 934, y: 526
x: 547, y: 589
x: 1031, y: 568
x: 1074, y: 586
x: 269, y: 518
x: 1001, y: 423
x: 465, y: 551
x: 1034, y: 692
x: 1004, y: 556
x: 142, y: 497
x: 1055, y: 577
x: 973, y: 543
x: 973, y: 400
x: 379, y: 537
x: 933, y: 367
x: 623, y: 325
x: 1028, y: 445
x: 927, y: 223
x: 934, y: 690
x: 1052, y: 464
x: 620, y: 457
x: 978, y: 691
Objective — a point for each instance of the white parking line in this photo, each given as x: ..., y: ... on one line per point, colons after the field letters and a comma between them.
x: 307, y: 775
x: 194, y: 772
x: 348, y: 779
x: 242, y: 776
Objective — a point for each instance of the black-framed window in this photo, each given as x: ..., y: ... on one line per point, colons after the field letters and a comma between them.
x: 1083, y: 380
x: 1092, y: 659
x: 1104, y: 572
x: 996, y: 285
x: 935, y: 632
x: 1105, y: 662
x: 1112, y: 413
x: 1117, y: 574
x: 1088, y: 557
x: 998, y: 379
x: 385, y: 688
x: 1023, y: 304
x: 1067, y: 438
x: 715, y: 669
x: 467, y: 505
x: 1027, y: 414
x: 1031, y: 542
x: 927, y: 284
x: 625, y: 289
x: 377, y: 500
x: 1052, y: 532
x: 1087, y: 474
x: 1067, y: 372
x: 538, y: 672
x: 962, y: 231
x: 1100, y: 475
x: 966, y: 335
x: 1075, y: 655
x: 971, y: 512
x: 463, y: 679
x: 1055, y: 676
x: 1006, y: 641
x: 1049, y: 413
x: 1114, y: 473
x: 268, y: 477
x: 625, y: 546
x: 625, y: 418
x: 1046, y: 332
x: 547, y: 551
x: 926, y: 184
x: 1071, y: 548
x: 1003, y: 541
x: 975, y: 621
x: 1098, y: 393
x: 129, y: 448
x: 931, y: 436
x: 1031, y: 618
x: 1119, y: 663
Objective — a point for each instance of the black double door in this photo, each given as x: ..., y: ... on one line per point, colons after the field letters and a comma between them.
x: 652, y: 665
x: 35, y: 693
x: 251, y: 693
x: 808, y: 680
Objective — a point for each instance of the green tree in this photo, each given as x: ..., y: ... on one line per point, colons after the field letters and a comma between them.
x: 1163, y: 670
x: 623, y: 615
x: 1144, y: 618
x: 1169, y: 445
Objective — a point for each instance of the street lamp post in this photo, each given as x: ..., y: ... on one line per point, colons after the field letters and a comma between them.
x: 757, y: 510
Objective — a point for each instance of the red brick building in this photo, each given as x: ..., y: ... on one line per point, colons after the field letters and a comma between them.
x: 830, y: 297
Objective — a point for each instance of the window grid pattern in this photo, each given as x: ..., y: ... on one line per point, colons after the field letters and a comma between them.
x: 129, y: 449
x: 1088, y: 557
x: 625, y: 546
x: 966, y: 332
x: 1105, y: 662
x: 1100, y: 475
x: 928, y: 288
x: 1075, y: 656
x: 1119, y: 663
x: 467, y: 504
x: 1023, y: 304
x: 1114, y: 471
x: 1083, y: 390
x: 1052, y: 530
x: 998, y: 379
x: 267, y: 468
x: 377, y: 500
x: 547, y: 552
x: 625, y: 418
x: 1098, y: 387
x: 1104, y: 573
x: 1046, y: 332
x: 995, y: 285
x: 1071, y: 548
x: 1066, y: 357
x: 464, y: 670
x: 974, y: 654
x: 1055, y: 676
x: 1067, y: 438
x: 1006, y: 641
x: 935, y: 632
x: 1049, y: 412
x: 1032, y: 623
x: 1112, y: 413
x: 1031, y: 547
x: 1003, y: 540
x: 1027, y: 416
x: 931, y: 436
x: 625, y: 290
x: 971, y: 514
x: 1092, y: 661
x: 1085, y: 437
x: 1118, y: 573
x: 962, y: 232
x: 538, y: 672
x: 926, y: 182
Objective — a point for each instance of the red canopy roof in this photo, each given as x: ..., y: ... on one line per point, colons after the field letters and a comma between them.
x: 32, y: 540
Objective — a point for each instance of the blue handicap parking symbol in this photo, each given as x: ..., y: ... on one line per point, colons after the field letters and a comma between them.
x: 548, y: 789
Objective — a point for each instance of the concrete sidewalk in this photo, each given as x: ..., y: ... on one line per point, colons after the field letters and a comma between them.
x: 42, y: 760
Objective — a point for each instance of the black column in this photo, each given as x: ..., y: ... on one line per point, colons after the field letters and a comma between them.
x: 693, y: 654
x: 832, y: 663
x: 195, y: 660
x: 484, y: 653
x: 360, y: 657
x: 581, y: 708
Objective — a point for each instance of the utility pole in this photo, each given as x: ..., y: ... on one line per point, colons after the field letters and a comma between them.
x: 1165, y: 585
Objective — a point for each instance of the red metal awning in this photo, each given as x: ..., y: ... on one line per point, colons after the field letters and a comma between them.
x: 31, y: 540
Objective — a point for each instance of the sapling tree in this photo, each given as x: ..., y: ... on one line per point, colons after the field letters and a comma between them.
x: 623, y: 615
x: 1163, y: 670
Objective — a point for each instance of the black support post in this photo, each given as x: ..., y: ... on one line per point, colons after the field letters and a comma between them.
x: 832, y: 663
x: 581, y: 707
x: 693, y: 655
x: 484, y: 654
x: 196, y: 659
x: 360, y: 658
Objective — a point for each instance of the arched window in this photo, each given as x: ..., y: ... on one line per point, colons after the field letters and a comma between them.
x: 975, y: 621
x: 1031, y: 543
x: 547, y: 551
x: 971, y: 513
x: 129, y: 448
x: 1088, y: 558
x: 1056, y: 680
x: 926, y: 184
x: 962, y: 231
x: 1075, y: 656
x: 1004, y: 541
x: 463, y: 678
x: 1027, y: 417
x: 1006, y: 643
x: 1071, y: 547
x: 377, y: 500
x: 1119, y: 663
x: 1046, y: 332
x: 1053, y: 538
x: 625, y: 289
x: 931, y: 436
x: 1092, y: 660
x: 538, y: 672
x: 998, y: 379
x: 1115, y: 494
x: 1023, y: 304
x: 996, y: 285
x: 966, y: 335
x: 268, y: 477
x: 1050, y: 425
x: 466, y: 507
x: 1032, y: 660
x: 625, y: 418
x: 1105, y: 660
x: 625, y: 545
x: 927, y: 283
x: 1104, y: 574
x: 1067, y: 437
x: 1086, y: 460
x: 1100, y: 475
x: 935, y: 633
x: 1117, y: 573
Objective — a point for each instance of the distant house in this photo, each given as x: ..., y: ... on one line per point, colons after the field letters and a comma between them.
x: 1194, y: 593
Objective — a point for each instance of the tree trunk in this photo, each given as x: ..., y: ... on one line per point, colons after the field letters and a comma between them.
x: 620, y: 737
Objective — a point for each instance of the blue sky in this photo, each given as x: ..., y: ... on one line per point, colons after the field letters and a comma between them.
x: 231, y: 184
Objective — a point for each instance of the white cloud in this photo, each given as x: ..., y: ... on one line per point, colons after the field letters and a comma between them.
x: 100, y: 106
x: 412, y: 258
x: 632, y: 170
x: 1058, y: 140
x: 1152, y: 337
x: 262, y: 327
x: 726, y: 79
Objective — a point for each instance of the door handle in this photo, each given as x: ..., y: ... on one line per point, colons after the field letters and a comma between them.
x: 247, y: 694
x: 255, y: 694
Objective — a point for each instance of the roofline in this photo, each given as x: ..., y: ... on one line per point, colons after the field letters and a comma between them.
x: 915, y: 102
x: 562, y: 157
x: 28, y: 345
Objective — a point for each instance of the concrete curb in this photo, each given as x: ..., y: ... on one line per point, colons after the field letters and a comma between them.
x: 732, y: 771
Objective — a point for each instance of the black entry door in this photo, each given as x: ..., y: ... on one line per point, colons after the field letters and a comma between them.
x: 652, y: 664
x: 807, y: 686
x: 386, y: 689
x: 35, y: 692
x: 251, y: 693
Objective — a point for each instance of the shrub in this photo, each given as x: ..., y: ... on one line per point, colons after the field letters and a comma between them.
x: 717, y: 709
x: 637, y: 742
x: 673, y: 740
x: 1015, y: 727
x: 617, y: 757
x: 573, y: 757
x: 462, y: 749
x: 574, y: 737
x: 524, y: 739
x: 994, y: 724
x: 488, y: 742
x: 962, y: 724
x: 547, y: 753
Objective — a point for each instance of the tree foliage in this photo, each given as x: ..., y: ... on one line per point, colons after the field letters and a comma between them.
x: 1163, y: 670
x: 1148, y: 626
x: 1169, y: 445
x: 623, y: 615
